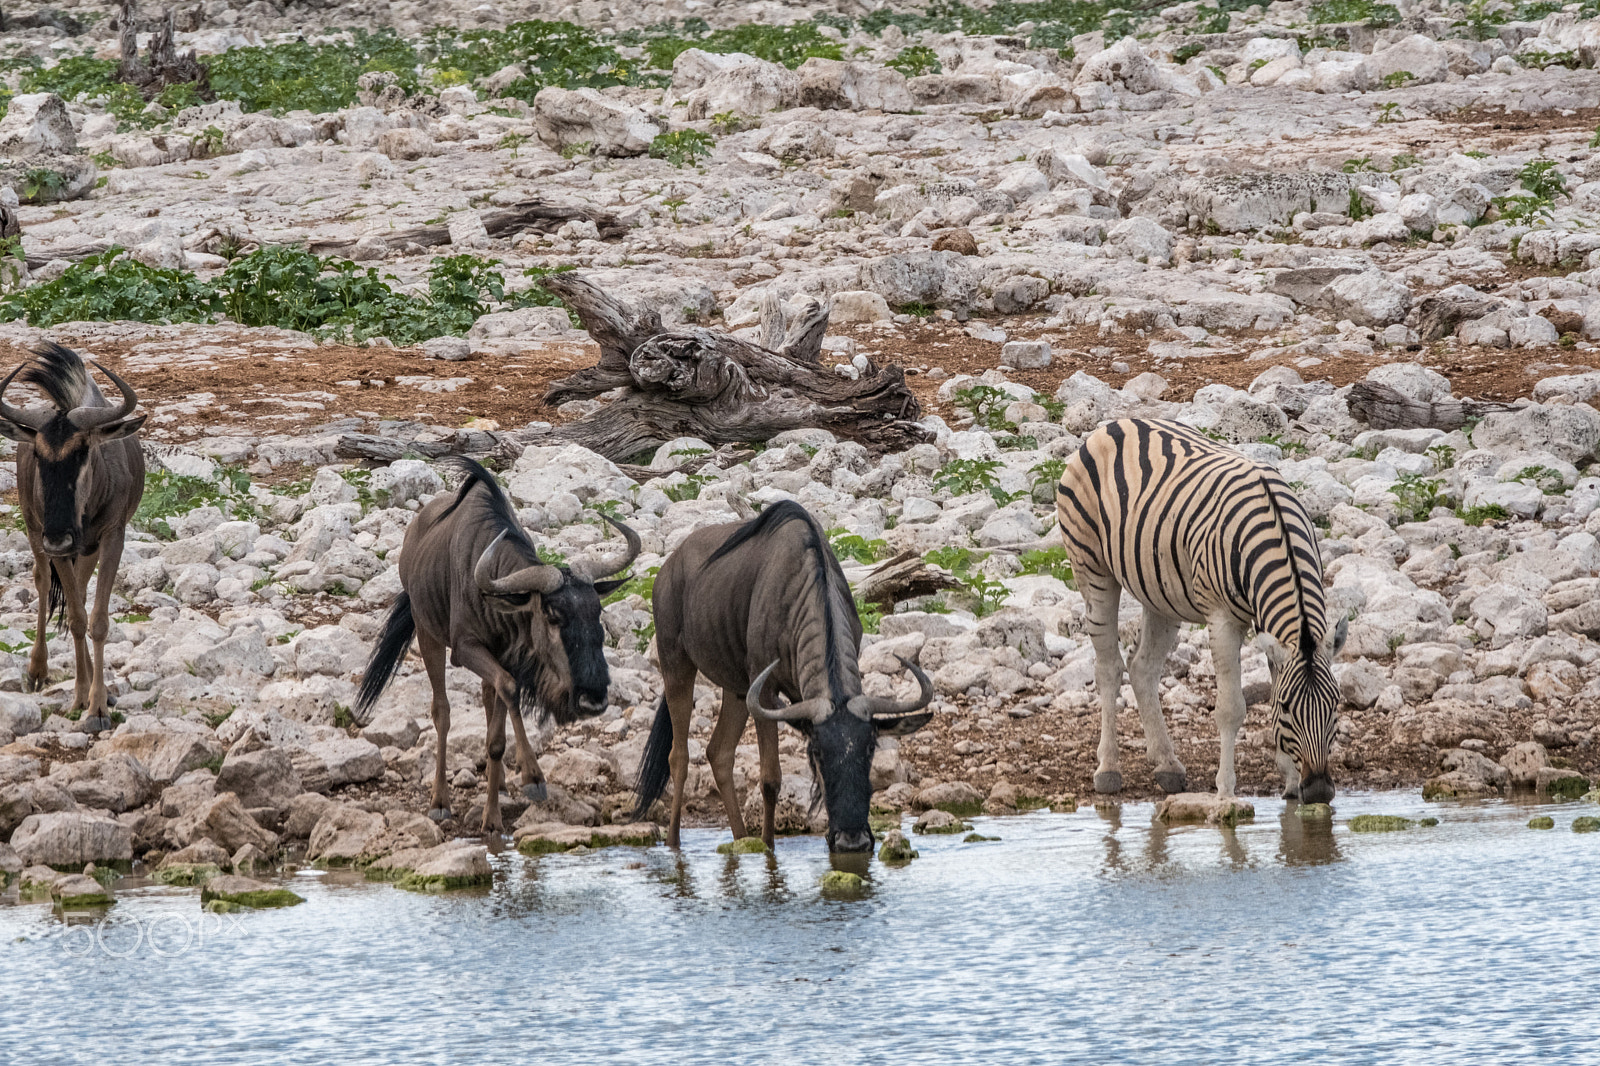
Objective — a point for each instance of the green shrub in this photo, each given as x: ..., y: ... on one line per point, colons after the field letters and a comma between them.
x: 915, y: 61
x: 847, y: 545
x: 1416, y: 495
x: 1488, y: 512
x: 553, y: 53
x: 168, y: 495
x: 1374, y: 15
x: 312, y: 77
x: 1052, y: 561
x: 987, y: 405
x: 110, y: 287
x: 790, y: 45
x: 1541, y: 179
x: 682, y: 147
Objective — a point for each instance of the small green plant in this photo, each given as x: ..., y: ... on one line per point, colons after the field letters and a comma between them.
x: 915, y: 61
x: 724, y: 123
x: 847, y: 545
x: 871, y: 615
x: 1212, y: 19
x: 1403, y: 161
x: 682, y: 148
x: 989, y: 593
x: 954, y: 558
x: 1047, y: 474
x: 1357, y: 208
x: 1388, y: 113
x: 1417, y: 496
x: 1541, y: 179
x: 1183, y: 54
x: 1374, y: 15
x: 687, y: 489
x: 1052, y: 561
x: 1522, y: 209
x: 987, y: 405
x: 1487, y: 512
x: 513, y: 142
x: 673, y: 205
x: 577, y: 150
x: 1542, y: 477
x: 1359, y: 165
x: 1398, y: 79
x: 1443, y: 456
x: 42, y: 184
x: 642, y: 585
x: 1284, y: 444
x: 916, y: 309
x: 962, y: 476
x: 1539, y: 59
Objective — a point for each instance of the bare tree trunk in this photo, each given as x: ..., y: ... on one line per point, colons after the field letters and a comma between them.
x: 165, y: 66
x: 1382, y: 407
x: 712, y: 385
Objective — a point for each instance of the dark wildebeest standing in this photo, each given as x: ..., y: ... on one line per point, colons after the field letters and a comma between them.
x: 758, y: 602
x: 474, y: 584
x: 80, y: 477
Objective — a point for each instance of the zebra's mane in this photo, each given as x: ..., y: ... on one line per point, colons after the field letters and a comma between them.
x: 1311, y: 616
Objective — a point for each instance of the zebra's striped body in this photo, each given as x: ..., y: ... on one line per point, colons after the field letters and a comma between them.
x: 1196, y: 532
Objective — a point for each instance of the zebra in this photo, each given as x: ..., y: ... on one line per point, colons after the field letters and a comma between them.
x: 1196, y: 532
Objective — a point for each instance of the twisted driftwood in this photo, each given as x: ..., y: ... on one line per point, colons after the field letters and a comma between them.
x: 712, y: 385
x: 532, y: 214
x: 1381, y: 407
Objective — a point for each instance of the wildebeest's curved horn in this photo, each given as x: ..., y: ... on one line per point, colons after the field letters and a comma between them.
x: 90, y: 417
x: 540, y: 577
x: 805, y: 710
x: 31, y: 419
x: 867, y: 706
x: 595, y: 573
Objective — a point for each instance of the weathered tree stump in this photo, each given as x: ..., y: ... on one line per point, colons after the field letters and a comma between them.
x: 712, y: 385
x: 1382, y: 407
x: 164, y: 66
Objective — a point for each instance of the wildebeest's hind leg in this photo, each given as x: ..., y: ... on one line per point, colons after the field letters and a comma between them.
x: 680, y: 705
x: 432, y: 653
x: 533, y: 786
x: 100, y: 625
x: 771, y: 775
x: 720, y: 754
x: 39, y: 658
x: 495, y: 749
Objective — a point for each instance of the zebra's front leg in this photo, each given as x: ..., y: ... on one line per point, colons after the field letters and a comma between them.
x: 1157, y: 637
x: 1227, y: 636
x: 1101, y: 598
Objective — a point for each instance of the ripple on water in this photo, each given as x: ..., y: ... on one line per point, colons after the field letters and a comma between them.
x: 1093, y: 937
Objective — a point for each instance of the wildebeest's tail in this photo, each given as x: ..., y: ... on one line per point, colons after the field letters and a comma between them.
x: 56, y: 610
x: 398, y: 630
x: 653, y: 768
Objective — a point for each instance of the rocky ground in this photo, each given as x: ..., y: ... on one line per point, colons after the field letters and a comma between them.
x: 1227, y: 225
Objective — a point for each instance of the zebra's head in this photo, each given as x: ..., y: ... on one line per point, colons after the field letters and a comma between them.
x: 1305, y: 699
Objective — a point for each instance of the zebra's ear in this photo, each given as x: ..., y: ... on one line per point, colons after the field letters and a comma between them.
x: 1340, y: 633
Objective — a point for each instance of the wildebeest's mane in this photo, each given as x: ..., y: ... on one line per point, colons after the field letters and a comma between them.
x: 827, y: 573
x: 501, y: 516
x: 59, y: 373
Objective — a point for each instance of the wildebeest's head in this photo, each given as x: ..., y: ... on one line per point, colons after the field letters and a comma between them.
x: 63, y: 439
x: 1305, y: 699
x: 562, y: 662
x: 843, y: 734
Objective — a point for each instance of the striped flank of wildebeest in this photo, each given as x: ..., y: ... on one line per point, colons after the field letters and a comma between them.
x: 1197, y: 532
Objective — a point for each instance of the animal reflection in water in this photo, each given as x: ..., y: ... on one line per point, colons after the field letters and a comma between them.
x: 1302, y: 841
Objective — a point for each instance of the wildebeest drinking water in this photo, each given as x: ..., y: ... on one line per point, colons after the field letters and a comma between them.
x: 80, y: 477
x: 758, y: 602
x: 531, y: 630
x: 1196, y: 532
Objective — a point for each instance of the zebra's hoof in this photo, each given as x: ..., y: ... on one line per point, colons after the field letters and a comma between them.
x: 1108, y: 781
x: 536, y: 792
x: 440, y: 814
x: 96, y: 725
x: 1172, y: 781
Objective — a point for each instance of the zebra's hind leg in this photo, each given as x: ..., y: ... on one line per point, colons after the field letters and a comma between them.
x: 1227, y: 636
x: 1102, y: 596
x: 1157, y: 637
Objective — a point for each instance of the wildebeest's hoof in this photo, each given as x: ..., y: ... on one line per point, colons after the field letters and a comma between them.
x: 536, y: 792
x: 440, y: 814
x: 1108, y: 781
x: 97, y: 724
x: 1172, y: 781
x: 31, y: 683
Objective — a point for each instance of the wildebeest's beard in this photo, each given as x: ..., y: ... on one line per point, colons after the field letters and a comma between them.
x: 561, y: 666
x: 840, y: 753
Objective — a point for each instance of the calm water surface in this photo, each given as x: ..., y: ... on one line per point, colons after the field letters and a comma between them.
x: 1093, y: 937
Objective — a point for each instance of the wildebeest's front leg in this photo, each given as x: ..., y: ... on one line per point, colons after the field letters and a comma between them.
x: 771, y: 776
x: 432, y: 652
x: 494, y: 754
x: 39, y: 658
x: 720, y: 754
x: 100, y: 624
x: 74, y: 575
x: 533, y: 786
x: 499, y: 684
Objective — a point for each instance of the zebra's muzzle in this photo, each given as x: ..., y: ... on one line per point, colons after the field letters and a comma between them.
x: 1318, y: 788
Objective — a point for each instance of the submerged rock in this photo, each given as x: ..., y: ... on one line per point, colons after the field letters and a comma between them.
x: 443, y: 868
x: 1561, y: 784
x: 1379, y: 823
x: 743, y: 846
x: 939, y: 821
x: 1543, y: 821
x: 235, y: 892
x: 1314, y: 811
x: 842, y: 883
x: 977, y: 838
x: 546, y: 837
x: 896, y: 848
x: 79, y: 890
x: 1586, y: 824
x: 1204, y: 807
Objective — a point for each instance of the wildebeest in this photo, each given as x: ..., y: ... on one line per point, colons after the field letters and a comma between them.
x: 80, y: 477
x: 757, y: 603
x: 473, y: 583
